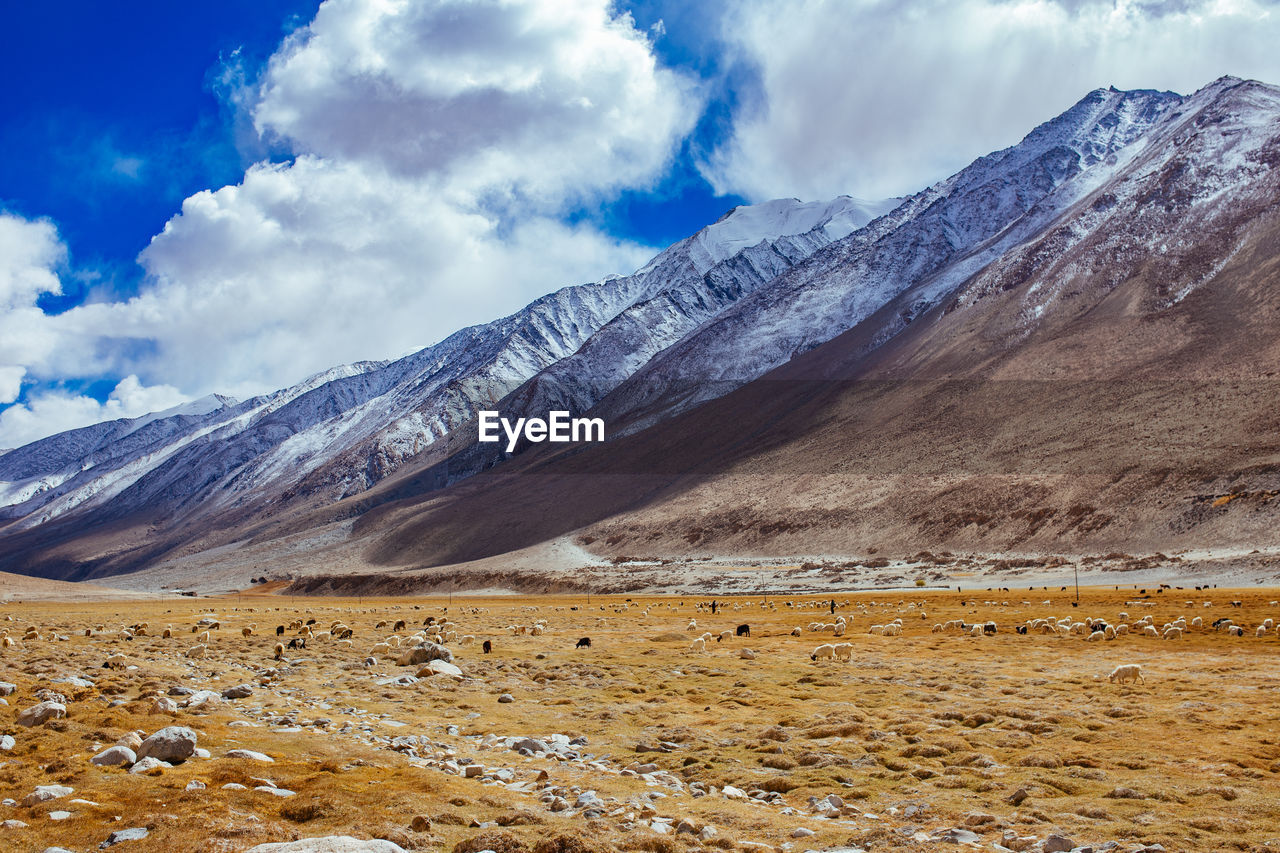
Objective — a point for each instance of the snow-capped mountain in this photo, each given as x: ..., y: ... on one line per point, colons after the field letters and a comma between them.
x: 343, y: 430
x: 942, y: 236
x: 1120, y: 184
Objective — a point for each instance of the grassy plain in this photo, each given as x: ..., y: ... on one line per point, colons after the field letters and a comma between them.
x: 919, y: 733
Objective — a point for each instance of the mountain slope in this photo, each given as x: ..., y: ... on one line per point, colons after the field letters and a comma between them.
x: 337, y: 434
x: 1107, y: 384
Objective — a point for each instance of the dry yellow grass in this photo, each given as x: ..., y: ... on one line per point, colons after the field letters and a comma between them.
x: 915, y: 733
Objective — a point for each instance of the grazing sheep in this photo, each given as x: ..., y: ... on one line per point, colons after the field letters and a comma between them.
x: 843, y: 651
x: 399, y: 626
x: 487, y: 646
x: 298, y: 643
x: 698, y: 645
x: 246, y: 632
x: 1172, y: 633
x: 724, y: 635
x: 743, y: 630
x: 115, y: 662
x: 1150, y: 631
x: 583, y: 643
x: 826, y: 651
x: 1235, y: 631
x: 796, y: 632
x: 203, y: 638
x: 279, y: 651
x: 197, y: 651
x: 1095, y: 636
x: 279, y: 630
x: 1127, y: 672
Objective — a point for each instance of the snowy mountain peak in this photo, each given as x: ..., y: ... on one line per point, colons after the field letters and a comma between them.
x: 747, y: 225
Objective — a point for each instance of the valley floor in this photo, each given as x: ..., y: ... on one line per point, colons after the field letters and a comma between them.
x: 640, y: 742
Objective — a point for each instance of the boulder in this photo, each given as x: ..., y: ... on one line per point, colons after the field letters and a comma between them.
x: 146, y: 765
x: 136, y: 833
x: 38, y: 715
x: 114, y: 756
x: 172, y: 743
x: 440, y: 667
x: 423, y: 654
x: 7, y: 689
x: 249, y: 754
x: 44, y: 793
x: 240, y: 691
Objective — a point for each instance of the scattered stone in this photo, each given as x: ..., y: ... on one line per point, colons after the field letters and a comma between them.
x: 7, y: 689
x: 250, y: 754
x: 146, y: 765
x: 114, y: 756
x: 1058, y: 844
x: 1016, y: 798
x: 38, y: 715
x: 274, y: 791
x: 13, y: 824
x: 959, y: 836
x: 59, y: 815
x: 420, y: 823
x: 44, y: 793
x: 423, y: 654
x: 7, y: 742
x: 240, y: 691
x: 506, y: 698
x: 802, y: 832
x: 174, y: 744
x: 196, y: 785
x: 440, y: 667
x: 136, y: 833
x: 133, y: 740
x: 234, y: 786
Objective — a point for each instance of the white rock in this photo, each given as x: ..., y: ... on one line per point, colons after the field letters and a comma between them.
x: 7, y: 742
x: 114, y: 756
x: 147, y: 764
x: 59, y: 815
x: 44, y: 793
x: 250, y: 754
x: 38, y: 715
x: 275, y: 792
x: 172, y: 743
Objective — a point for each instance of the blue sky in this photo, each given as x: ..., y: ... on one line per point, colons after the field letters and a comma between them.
x: 228, y: 196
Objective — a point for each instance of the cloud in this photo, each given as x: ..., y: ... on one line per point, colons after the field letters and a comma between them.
x: 878, y: 98
x: 544, y: 99
x: 30, y: 252
x: 55, y: 411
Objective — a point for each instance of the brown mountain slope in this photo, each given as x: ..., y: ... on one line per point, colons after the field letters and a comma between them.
x: 1110, y: 385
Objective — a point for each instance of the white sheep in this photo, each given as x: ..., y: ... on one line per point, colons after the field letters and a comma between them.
x: 826, y: 651
x: 843, y: 651
x: 698, y: 645
x: 197, y: 651
x: 1127, y: 672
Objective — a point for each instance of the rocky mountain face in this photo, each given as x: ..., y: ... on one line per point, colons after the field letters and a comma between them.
x: 792, y: 379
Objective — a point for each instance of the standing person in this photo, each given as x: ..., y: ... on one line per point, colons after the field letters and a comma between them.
x: 833, y: 607
x: 713, y: 607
